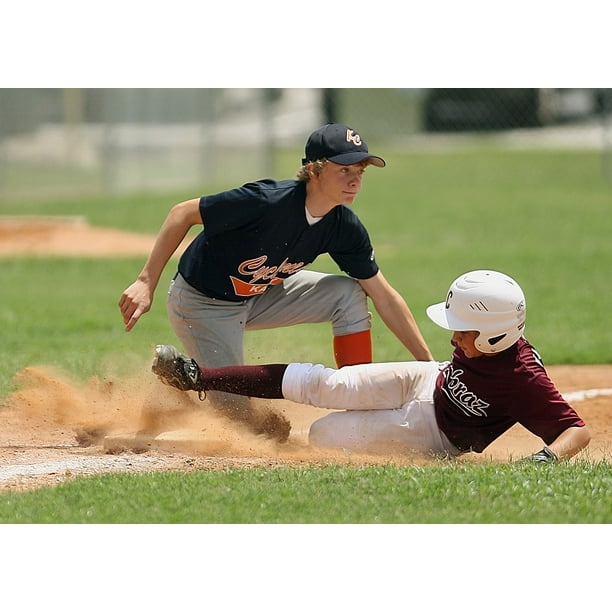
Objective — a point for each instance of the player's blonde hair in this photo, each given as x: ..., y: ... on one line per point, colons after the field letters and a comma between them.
x: 317, y: 166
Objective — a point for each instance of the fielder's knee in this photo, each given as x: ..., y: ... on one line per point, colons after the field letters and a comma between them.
x: 351, y: 313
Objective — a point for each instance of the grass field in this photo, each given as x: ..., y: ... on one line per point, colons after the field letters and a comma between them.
x: 543, y: 217
x: 438, y: 494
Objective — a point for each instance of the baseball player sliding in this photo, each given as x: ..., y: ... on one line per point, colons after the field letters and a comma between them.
x: 247, y: 268
x: 494, y: 380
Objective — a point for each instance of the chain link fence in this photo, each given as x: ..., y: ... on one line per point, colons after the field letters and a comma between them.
x: 62, y: 142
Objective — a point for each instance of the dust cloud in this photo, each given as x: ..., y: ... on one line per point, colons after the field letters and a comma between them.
x: 51, y: 406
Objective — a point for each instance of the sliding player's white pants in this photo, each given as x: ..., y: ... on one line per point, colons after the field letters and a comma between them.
x: 383, y: 407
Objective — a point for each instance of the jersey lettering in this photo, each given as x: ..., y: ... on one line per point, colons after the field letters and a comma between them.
x: 458, y: 393
x: 256, y: 269
x: 262, y: 276
x: 243, y: 289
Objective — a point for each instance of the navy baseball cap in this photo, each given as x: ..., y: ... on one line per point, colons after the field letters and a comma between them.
x: 341, y: 145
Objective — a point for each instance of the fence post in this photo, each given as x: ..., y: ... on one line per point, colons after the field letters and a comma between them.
x: 606, y: 129
x: 330, y: 105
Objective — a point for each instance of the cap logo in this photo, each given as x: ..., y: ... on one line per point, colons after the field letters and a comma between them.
x: 448, y: 299
x: 353, y: 137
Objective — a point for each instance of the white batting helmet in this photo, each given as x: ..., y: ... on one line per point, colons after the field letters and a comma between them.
x: 485, y: 301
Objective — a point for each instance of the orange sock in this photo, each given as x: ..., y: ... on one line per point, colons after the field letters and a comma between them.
x: 353, y: 349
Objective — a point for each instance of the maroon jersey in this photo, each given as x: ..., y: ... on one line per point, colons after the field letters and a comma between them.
x: 478, y: 399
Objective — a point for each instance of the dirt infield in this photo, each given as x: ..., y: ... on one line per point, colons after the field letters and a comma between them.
x: 54, y: 428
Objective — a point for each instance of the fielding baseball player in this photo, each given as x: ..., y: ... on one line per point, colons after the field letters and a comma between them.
x: 494, y: 380
x: 247, y: 268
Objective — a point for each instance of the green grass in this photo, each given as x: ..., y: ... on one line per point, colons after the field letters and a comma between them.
x: 64, y: 312
x: 543, y: 217
x: 447, y: 493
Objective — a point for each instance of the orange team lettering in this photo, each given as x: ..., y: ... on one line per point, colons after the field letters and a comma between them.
x: 259, y: 272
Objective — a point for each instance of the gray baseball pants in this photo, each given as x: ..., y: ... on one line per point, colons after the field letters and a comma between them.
x: 212, y: 330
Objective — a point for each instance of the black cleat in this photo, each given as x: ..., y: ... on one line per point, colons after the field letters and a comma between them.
x: 176, y: 370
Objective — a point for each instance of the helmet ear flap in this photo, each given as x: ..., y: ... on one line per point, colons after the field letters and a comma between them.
x: 493, y: 341
x: 487, y: 345
x: 500, y: 342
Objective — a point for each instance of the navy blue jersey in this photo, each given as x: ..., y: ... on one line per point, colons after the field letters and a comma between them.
x: 257, y: 235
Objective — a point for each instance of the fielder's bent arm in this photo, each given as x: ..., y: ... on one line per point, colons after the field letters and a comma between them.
x: 138, y: 297
x: 396, y: 315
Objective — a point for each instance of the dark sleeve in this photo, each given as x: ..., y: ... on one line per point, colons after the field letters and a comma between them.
x: 353, y: 251
x: 544, y: 411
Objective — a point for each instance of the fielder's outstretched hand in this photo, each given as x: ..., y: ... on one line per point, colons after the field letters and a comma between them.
x: 134, y: 302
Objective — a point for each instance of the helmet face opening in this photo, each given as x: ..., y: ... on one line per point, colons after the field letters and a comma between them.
x: 485, y: 301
